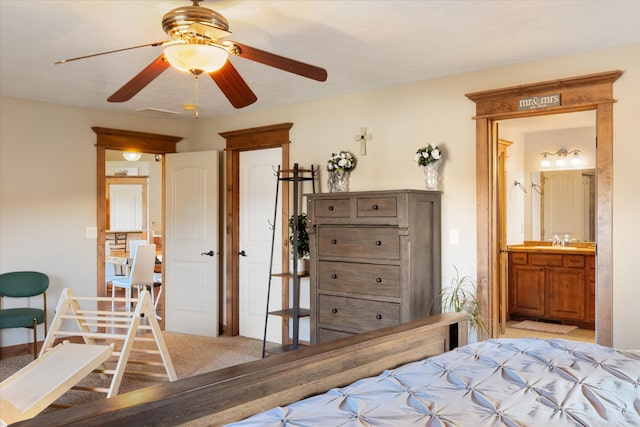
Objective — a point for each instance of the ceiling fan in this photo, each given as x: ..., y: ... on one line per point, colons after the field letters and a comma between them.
x: 197, y: 44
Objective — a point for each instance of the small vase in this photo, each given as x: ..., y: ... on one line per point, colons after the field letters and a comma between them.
x: 302, y: 265
x: 431, y: 175
x: 339, y: 181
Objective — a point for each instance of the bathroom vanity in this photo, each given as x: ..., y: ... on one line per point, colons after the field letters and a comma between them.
x: 553, y: 283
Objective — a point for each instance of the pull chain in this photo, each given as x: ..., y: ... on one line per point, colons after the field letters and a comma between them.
x: 196, y: 97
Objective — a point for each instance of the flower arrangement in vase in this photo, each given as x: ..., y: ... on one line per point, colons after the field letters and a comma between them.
x: 429, y: 158
x: 340, y: 166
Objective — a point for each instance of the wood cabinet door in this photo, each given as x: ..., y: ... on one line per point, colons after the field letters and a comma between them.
x: 566, y: 293
x: 527, y: 290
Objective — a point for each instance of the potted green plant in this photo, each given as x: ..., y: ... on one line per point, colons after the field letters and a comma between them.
x: 301, y: 251
x: 461, y: 296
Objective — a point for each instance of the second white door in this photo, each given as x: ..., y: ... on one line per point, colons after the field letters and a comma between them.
x: 191, y: 243
x: 257, y: 203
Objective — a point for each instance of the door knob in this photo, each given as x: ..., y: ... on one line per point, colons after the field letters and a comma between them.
x: 242, y: 253
x: 210, y: 253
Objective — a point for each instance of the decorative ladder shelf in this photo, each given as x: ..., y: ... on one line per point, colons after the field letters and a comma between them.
x: 296, y: 176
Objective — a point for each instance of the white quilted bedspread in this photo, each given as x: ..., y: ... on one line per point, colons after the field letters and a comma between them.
x: 505, y: 382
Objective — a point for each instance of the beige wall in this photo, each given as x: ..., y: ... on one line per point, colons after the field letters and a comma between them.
x: 41, y: 195
x: 48, y: 192
x: 404, y: 118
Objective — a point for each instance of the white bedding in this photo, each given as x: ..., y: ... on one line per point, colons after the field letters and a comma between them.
x: 502, y: 382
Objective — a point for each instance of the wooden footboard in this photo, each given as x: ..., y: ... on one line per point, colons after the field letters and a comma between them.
x: 234, y: 393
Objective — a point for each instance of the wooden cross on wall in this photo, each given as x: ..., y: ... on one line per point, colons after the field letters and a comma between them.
x: 363, y: 138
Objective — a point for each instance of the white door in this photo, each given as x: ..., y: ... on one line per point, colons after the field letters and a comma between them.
x: 125, y: 204
x: 191, y: 271
x: 257, y: 202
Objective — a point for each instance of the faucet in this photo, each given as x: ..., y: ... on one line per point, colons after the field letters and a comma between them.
x: 556, y: 240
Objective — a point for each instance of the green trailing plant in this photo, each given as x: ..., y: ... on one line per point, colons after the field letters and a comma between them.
x: 303, y: 236
x: 460, y: 297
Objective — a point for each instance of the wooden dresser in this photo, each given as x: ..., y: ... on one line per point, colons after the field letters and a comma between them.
x: 375, y: 260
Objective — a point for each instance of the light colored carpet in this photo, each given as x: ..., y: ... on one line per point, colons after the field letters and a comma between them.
x: 190, y: 354
x: 544, y: 327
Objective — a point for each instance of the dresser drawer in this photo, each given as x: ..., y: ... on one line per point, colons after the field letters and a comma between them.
x: 518, y: 258
x: 574, y: 261
x: 331, y: 208
x: 368, y: 207
x: 325, y: 335
x: 545, y: 260
x: 359, y: 242
x: 370, y: 279
x: 356, y: 315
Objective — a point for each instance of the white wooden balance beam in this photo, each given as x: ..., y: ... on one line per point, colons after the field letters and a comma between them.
x: 61, y: 367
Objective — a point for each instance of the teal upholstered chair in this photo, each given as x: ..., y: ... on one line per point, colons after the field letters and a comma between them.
x: 24, y: 284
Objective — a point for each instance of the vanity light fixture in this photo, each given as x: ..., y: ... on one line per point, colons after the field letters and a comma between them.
x: 561, y: 159
x: 131, y: 156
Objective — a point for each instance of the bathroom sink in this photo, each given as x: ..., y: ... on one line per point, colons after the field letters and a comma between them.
x: 554, y: 247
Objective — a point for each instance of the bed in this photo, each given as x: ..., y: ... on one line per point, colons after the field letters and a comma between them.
x: 417, y: 373
x: 503, y: 382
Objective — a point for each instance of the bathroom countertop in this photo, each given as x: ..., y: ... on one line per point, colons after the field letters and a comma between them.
x: 569, y: 249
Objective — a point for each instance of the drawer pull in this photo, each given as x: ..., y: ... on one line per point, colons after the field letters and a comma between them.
x: 334, y: 310
x: 379, y: 316
x: 330, y: 207
x: 378, y: 243
x: 378, y: 279
x: 375, y: 207
x: 334, y: 241
x: 334, y: 276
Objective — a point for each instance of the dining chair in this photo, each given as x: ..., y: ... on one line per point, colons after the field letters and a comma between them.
x: 110, y: 272
x: 141, y: 274
x: 157, y: 281
x: 133, y: 245
x: 24, y: 284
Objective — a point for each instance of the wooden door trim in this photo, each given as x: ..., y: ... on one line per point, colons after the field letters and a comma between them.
x: 582, y: 93
x: 258, y: 138
x: 122, y: 140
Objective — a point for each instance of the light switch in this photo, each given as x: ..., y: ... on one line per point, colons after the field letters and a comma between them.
x: 453, y: 237
x: 92, y: 232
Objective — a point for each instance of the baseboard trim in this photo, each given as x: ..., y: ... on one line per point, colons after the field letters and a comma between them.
x: 27, y: 348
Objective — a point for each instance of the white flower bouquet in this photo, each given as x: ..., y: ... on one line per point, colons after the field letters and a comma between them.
x: 428, y: 154
x: 341, y: 162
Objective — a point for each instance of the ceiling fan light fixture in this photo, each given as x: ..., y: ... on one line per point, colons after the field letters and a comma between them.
x: 195, y: 58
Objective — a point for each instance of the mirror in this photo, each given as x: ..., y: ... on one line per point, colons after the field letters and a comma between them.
x: 563, y: 205
x: 544, y: 199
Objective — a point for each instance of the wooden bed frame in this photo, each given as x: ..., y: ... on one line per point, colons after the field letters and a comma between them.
x: 237, y: 392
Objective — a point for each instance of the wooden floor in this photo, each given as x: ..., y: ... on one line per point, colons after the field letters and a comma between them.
x: 586, y: 335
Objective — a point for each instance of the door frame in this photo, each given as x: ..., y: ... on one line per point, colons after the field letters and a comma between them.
x: 257, y: 138
x: 122, y: 140
x: 582, y: 93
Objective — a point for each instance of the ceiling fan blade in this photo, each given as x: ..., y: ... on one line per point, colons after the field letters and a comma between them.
x: 63, y: 61
x: 233, y: 86
x: 142, y: 79
x: 282, y: 63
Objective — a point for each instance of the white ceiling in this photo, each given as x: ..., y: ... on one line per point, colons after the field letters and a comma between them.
x: 362, y: 44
